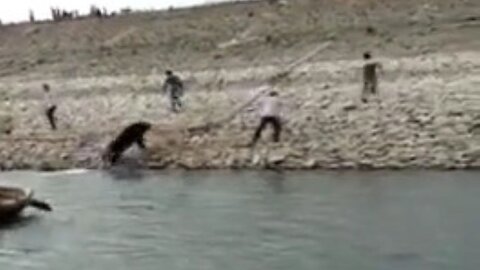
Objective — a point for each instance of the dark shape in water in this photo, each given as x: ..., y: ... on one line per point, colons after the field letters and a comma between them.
x: 130, y: 135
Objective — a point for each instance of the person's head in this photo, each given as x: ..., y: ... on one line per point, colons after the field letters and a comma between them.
x: 46, y: 87
x: 367, y: 55
x: 168, y: 73
x: 273, y: 93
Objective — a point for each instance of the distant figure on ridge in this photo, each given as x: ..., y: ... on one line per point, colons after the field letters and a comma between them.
x: 32, y: 16
x: 269, y: 114
x: 370, y: 76
x: 50, y: 107
x: 173, y: 85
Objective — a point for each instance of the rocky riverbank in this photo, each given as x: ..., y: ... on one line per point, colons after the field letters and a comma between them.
x: 426, y: 116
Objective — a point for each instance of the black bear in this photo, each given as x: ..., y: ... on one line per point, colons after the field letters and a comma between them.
x: 130, y: 135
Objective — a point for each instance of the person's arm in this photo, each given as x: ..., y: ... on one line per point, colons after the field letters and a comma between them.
x: 281, y: 109
x: 361, y: 71
x: 180, y: 85
x: 165, y: 86
x: 47, y: 99
x: 260, y: 106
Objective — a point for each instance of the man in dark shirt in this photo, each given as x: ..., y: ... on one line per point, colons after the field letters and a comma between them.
x: 370, y: 77
x: 174, y: 86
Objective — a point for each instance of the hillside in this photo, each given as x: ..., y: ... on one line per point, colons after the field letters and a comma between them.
x: 236, y: 34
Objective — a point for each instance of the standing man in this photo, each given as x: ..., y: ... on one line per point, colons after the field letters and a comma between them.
x: 50, y: 107
x: 174, y: 86
x: 270, y: 114
x: 370, y: 77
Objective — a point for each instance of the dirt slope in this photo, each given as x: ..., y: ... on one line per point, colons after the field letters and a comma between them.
x: 236, y: 34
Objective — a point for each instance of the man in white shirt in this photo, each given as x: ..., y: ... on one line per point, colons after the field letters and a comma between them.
x: 50, y: 106
x: 270, y: 114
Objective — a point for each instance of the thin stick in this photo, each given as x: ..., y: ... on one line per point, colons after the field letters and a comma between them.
x: 263, y: 89
x: 259, y: 92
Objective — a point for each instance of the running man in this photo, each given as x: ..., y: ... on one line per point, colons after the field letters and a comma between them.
x: 269, y: 115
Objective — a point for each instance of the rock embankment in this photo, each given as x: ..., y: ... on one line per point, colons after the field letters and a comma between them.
x: 426, y: 116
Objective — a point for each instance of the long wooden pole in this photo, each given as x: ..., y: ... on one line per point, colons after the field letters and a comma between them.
x: 262, y: 89
x: 203, y: 127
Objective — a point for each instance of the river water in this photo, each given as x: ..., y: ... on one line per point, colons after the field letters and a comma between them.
x: 246, y: 221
